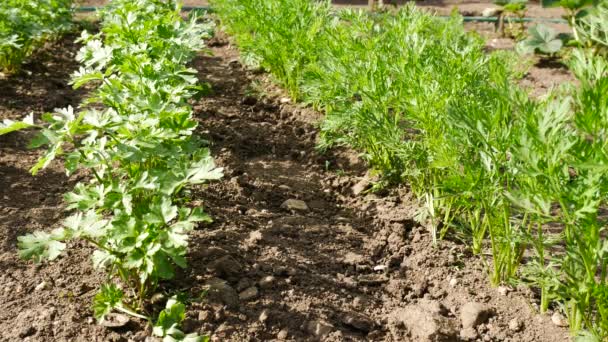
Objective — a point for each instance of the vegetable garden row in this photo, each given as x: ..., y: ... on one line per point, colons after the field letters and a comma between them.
x: 134, y: 136
x: 427, y: 106
x: 422, y: 99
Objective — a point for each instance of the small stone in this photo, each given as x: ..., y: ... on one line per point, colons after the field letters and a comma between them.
x: 90, y: 320
x: 204, y: 316
x: 318, y: 328
x: 267, y: 282
x: 360, y: 187
x: 468, y: 334
x: 283, y: 334
x: 115, y: 320
x: 515, y: 325
x: 294, y: 204
x: 157, y: 298
x: 249, y: 293
x: 40, y: 286
x: 453, y: 282
x: 284, y: 100
x: 358, y: 321
x: 559, y: 320
x: 380, y: 268
x: 263, y: 316
x: 472, y: 314
x: 503, y: 290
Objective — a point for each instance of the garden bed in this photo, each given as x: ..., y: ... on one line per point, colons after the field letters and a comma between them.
x: 313, y: 269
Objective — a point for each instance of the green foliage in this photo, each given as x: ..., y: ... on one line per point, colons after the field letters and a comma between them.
x: 26, y: 24
x: 426, y: 105
x: 568, y: 4
x: 510, y: 8
x: 541, y: 39
x: 593, y: 28
x: 169, y: 320
x: 135, y: 136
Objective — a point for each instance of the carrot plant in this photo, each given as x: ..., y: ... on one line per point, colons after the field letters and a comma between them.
x: 297, y: 25
x: 135, y: 137
x: 26, y: 24
x: 427, y: 105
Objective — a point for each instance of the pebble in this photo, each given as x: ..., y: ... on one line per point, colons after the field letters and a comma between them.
x: 283, y: 334
x: 453, y: 282
x: 559, y: 320
x: 267, y: 282
x: 295, y: 204
x: 503, y: 290
x: 380, y: 268
x: 358, y: 321
x: 249, y: 293
x: 263, y: 316
x: 515, y: 325
x: 40, y: 286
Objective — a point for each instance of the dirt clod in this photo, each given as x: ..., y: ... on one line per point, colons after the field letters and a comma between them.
x: 221, y: 292
x: 425, y: 321
x: 472, y: 314
x: 295, y: 205
x: 249, y: 293
x: 358, y: 321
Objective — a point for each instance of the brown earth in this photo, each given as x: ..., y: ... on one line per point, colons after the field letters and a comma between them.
x: 346, y: 268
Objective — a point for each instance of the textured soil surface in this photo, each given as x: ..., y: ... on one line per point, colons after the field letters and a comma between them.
x: 298, y: 251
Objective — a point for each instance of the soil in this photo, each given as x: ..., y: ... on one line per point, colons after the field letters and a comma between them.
x: 347, y: 266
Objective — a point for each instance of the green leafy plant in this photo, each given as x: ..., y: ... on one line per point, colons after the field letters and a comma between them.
x: 135, y: 137
x: 593, y: 28
x: 511, y: 8
x: 169, y: 321
x: 541, y: 39
x: 26, y: 24
x: 574, y: 9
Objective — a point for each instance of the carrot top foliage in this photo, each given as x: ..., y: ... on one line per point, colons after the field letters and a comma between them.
x: 428, y: 106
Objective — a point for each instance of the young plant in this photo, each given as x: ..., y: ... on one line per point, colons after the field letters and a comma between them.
x: 511, y: 8
x: 541, y: 39
x: 593, y: 28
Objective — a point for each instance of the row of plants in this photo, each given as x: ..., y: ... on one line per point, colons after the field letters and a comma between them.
x: 26, y: 24
x: 134, y: 138
x: 426, y: 105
